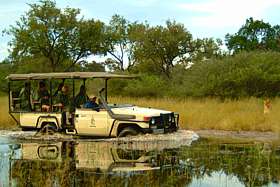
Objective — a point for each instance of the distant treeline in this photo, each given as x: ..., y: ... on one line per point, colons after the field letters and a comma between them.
x: 168, y: 59
x: 247, y: 74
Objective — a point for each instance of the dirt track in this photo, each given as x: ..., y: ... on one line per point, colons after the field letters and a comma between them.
x: 241, y: 135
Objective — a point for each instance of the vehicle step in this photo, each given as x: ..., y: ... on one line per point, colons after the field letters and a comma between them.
x: 71, y: 131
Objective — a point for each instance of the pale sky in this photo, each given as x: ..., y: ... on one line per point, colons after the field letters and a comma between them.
x: 203, y: 18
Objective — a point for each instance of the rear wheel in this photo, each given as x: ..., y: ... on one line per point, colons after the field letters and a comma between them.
x: 129, y: 131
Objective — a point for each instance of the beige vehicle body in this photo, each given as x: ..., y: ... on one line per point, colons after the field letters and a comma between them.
x: 106, y: 121
x: 88, y: 122
x: 94, y: 156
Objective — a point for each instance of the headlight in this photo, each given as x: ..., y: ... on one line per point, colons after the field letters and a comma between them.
x: 153, y: 121
x: 169, y: 118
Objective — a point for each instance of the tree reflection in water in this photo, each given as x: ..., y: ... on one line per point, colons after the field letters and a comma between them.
x: 109, y: 164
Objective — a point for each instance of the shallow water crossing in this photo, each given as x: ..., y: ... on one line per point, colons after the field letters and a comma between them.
x: 178, y: 159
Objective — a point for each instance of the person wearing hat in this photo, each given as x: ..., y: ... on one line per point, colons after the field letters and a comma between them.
x: 92, y: 103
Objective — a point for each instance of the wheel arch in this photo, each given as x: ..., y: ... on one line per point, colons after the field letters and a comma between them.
x: 122, y: 126
x: 45, y: 120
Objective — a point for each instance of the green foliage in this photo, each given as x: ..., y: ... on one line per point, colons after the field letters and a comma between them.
x: 206, y: 48
x: 117, y: 39
x: 246, y: 74
x: 55, y: 34
x: 5, y: 68
x: 144, y: 86
x: 254, y: 35
x: 167, y: 58
x: 162, y: 45
x: 94, y: 67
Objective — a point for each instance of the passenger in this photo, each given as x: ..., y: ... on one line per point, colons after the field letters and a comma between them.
x: 63, y: 98
x: 44, y: 97
x: 24, y: 96
x: 81, y: 98
x: 92, y: 104
x: 58, y: 89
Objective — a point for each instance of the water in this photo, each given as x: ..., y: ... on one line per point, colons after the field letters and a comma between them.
x: 177, y: 159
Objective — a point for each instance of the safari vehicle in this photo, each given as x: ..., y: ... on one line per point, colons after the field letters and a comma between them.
x: 88, y: 163
x: 94, y: 156
x: 109, y: 120
x: 97, y: 156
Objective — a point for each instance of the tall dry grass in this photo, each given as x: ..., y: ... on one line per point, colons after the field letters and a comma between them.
x: 6, y: 122
x: 244, y: 114
x: 196, y: 114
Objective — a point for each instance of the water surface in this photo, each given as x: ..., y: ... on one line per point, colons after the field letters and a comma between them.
x: 167, y: 160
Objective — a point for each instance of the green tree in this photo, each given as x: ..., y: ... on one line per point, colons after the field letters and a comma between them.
x: 117, y: 39
x: 112, y: 65
x: 206, y: 49
x: 49, y: 32
x: 94, y: 67
x: 245, y: 74
x: 6, y: 68
x: 254, y: 35
x: 163, y: 46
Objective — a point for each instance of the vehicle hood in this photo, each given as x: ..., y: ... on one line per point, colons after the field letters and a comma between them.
x: 139, y: 112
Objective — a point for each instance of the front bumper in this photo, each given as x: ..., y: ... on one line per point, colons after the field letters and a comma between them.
x: 164, y: 123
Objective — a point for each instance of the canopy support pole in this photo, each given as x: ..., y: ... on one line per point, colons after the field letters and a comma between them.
x: 51, y: 95
x: 9, y: 94
x: 106, y: 90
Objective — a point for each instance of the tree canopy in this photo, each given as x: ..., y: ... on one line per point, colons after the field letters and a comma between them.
x: 254, y: 35
x: 55, y: 34
x: 47, y: 38
x: 162, y: 45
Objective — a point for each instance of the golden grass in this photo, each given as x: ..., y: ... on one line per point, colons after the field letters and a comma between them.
x: 244, y: 114
x: 197, y: 114
x: 6, y: 122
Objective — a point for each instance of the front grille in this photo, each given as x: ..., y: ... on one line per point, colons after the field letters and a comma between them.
x: 165, y: 121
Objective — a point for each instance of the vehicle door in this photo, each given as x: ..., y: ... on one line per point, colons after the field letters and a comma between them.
x: 92, y: 123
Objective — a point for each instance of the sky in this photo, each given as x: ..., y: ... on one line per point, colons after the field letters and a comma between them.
x: 203, y: 18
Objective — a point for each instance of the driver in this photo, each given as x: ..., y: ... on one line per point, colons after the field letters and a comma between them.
x: 92, y: 103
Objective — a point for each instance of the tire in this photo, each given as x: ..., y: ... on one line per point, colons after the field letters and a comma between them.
x: 25, y: 129
x: 129, y: 131
x: 49, y: 129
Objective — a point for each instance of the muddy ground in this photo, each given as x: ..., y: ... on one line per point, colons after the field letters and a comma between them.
x: 240, y: 135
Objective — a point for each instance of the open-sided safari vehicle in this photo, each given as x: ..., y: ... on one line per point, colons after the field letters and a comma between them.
x: 105, y: 120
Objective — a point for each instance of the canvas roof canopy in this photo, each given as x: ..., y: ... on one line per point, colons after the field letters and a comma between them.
x: 67, y: 75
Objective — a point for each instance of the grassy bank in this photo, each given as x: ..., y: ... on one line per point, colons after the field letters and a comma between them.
x: 6, y: 122
x: 245, y: 114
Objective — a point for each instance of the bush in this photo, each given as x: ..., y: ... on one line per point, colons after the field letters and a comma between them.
x: 144, y: 86
x: 246, y: 74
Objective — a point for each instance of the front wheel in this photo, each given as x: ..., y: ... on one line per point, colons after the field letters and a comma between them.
x: 49, y: 129
x: 129, y: 131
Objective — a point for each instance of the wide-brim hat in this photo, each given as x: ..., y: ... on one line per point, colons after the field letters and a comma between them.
x: 92, y: 96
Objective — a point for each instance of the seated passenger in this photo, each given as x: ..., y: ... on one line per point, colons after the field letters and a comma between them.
x: 92, y: 104
x: 59, y: 88
x: 24, y: 96
x: 44, y: 97
x: 63, y: 98
x: 81, y: 98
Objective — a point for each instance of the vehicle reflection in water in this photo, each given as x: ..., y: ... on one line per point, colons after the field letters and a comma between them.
x: 83, y: 163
